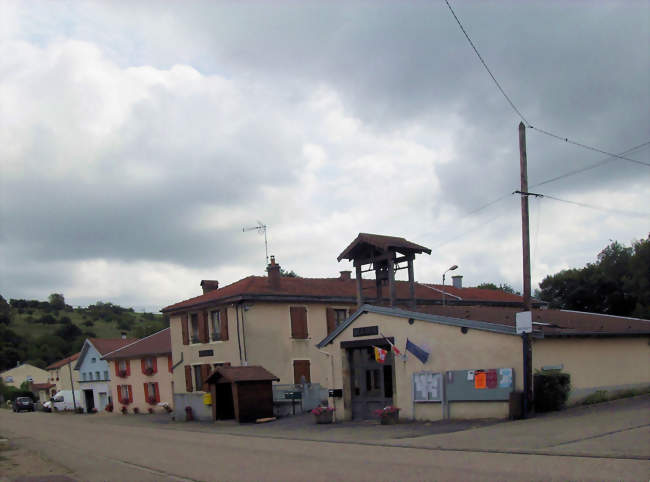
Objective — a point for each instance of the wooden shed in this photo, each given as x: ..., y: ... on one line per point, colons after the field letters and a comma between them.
x: 242, y: 393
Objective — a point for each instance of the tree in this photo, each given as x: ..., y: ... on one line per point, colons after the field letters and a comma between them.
x: 616, y: 284
x: 288, y: 274
x: 503, y: 287
x: 5, y: 311
x: 57, y: 301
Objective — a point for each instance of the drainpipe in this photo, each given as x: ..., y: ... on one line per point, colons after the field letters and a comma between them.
x: 243, y: 333
x: 331, y: 375
x: 238, y: 336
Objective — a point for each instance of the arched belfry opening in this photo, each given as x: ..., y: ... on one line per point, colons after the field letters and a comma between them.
x: 384, y: 255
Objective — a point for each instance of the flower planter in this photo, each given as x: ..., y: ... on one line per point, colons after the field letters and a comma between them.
x: 325, y: 417
x: 390, y: 418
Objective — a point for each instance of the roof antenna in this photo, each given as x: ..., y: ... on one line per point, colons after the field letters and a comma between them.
x: 261, y: 229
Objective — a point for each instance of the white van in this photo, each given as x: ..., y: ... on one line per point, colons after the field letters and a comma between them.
x: 62, y: 401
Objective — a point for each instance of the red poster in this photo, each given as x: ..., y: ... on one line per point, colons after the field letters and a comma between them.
x: 480, y: 380
x: 492, y: 379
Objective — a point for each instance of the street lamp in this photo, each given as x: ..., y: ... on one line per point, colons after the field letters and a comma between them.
x: 451, y: 268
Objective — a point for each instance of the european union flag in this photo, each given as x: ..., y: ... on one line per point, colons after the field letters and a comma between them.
x: 418, y: 352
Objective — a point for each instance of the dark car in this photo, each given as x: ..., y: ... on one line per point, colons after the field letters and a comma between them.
x: 23, y: 403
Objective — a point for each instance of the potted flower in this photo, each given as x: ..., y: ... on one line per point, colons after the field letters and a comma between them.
x: 122, y: 373
x: 151, y: 400
x: 148, y: 371
x: 388, y: 415
x: 124, y: 410
x: 109, y: 407
x: 323, y: 414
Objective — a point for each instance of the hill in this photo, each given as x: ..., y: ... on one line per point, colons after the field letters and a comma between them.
x: 42, y: 332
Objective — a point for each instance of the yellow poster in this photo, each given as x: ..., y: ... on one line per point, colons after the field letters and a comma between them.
x: 480, y: 380
x: 207, y: 399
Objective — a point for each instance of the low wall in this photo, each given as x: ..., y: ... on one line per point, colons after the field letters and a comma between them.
x: 200, y: 411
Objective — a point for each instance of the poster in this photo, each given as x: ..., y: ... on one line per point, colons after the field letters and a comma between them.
x: 470, y: 375
x: 505, y: 377
x: 480, y: 380
x: 491, y: 378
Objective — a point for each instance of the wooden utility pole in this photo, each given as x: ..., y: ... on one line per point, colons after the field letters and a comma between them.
x: 525, y: 239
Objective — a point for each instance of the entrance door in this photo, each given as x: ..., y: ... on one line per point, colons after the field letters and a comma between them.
x: 103, y: 401
x: 90, y: 400
x: 372, y: 382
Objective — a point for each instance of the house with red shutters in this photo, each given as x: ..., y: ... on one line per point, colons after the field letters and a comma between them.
x: 141, y: 374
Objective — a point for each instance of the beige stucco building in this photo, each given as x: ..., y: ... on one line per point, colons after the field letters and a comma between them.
x: 141, y: 374
x: 14, y: 377
x: 63, y: 375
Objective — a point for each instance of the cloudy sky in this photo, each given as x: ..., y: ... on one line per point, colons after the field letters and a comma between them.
x: 137, y: 139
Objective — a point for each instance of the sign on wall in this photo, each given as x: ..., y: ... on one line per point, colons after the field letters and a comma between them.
x: 479, y: 385
x: 427, y: 387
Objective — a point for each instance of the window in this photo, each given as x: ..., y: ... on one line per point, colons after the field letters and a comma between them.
x: 29, y: 379
x: 90, y: 376
x: 194, y: 319
x: 105, y: 374
x: 97, y: 377
x: 198, y: 379
x: 301, y: 371
x: 122, y: 368
x: 148, y: 363
x: 340, y: 316
x: 10, y: 379
x: 83, y: 376
x: 151, y: 391
x: 215, y: 325
x: 123, y: 393
x: 93, y: 360
x: 298, y: 322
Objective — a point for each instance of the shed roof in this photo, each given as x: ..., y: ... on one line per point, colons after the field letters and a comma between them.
x: 366, y: 243
x: 158, y: 343
x: 63, y: 362
x: 42, y: 386
x: 253, y: 373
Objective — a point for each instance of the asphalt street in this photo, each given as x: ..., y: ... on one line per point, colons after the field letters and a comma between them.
x: 112, y: 447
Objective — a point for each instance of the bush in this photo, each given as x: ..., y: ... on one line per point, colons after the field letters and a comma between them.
x: 136, y: 410
x: 551, y: 390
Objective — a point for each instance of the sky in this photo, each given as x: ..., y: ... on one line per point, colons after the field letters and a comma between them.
x: 138, y: 139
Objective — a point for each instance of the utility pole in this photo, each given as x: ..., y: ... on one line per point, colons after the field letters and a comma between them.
x: 525, y: 239
x: 74, y: 400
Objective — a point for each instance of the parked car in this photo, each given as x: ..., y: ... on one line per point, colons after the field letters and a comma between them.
x: 23, y: 403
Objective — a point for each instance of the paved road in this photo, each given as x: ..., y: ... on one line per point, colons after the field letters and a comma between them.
x: 121, y: 448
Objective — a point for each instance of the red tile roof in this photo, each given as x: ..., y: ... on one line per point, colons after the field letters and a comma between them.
x: 252, y: 373
x: 547, y: 322
x: 63, y: 362
x: 339, y: 289
x: 42, y: 386
x: 107, y: 345
x: 157, y: 344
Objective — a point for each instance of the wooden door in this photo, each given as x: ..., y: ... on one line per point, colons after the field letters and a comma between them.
x: 372, y: 382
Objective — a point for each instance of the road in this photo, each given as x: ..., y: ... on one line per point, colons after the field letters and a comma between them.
x: 109, y: 447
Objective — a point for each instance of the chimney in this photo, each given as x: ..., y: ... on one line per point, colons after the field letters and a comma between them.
x: 345, y: 275
x: 209, y: 285
x: 273, y: 270
x: 124, y: 335
x: 457, y: 281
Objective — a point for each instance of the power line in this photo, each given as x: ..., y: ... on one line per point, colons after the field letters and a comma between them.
x: 514, y: 107
x: 599, y: 208
x: 587, y: 168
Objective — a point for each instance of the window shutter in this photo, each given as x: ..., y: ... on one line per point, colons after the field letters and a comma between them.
x: 117, y: 368
x: 146, y: 393
x: 119, y: 393
x: 185, y: 330
x: 155, y: 387
x: 154, y: 364
x: 188, y: 378
x: 169, y: 363
x: 130, y: 394
x: 298, y: 321
x: 205, y: 373
x: 331, y: 320
x: 300, y: 369
x: 203, y: 327
x: 128, y: 368
x: 223, y: 316
x: 143, y: 365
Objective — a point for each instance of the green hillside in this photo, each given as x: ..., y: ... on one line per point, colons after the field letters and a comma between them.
x: 42, y: 332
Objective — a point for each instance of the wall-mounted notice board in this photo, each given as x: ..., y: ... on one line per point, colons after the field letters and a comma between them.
x: 479, y: 385
x: 427, y: 387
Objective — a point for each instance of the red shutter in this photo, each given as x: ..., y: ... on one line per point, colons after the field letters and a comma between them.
x: 203, y: 327
x: 298, y: 322
x: 128, y: 368
x: 155, y: 386
x: 300, y: 369
x: 185, y: 330
x: 130, y: 394
x: 117, y: 368
x: 330, y: 316
x: 205, y: 373
x: 169, y: 363
x: 224, y: 324
x: 154, y: 364
x: 188, y: 378
x: 143, y: 365
x: 146, y: 393
x: 119, y: 393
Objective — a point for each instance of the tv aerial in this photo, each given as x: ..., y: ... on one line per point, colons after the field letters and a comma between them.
x: 261, y: 230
